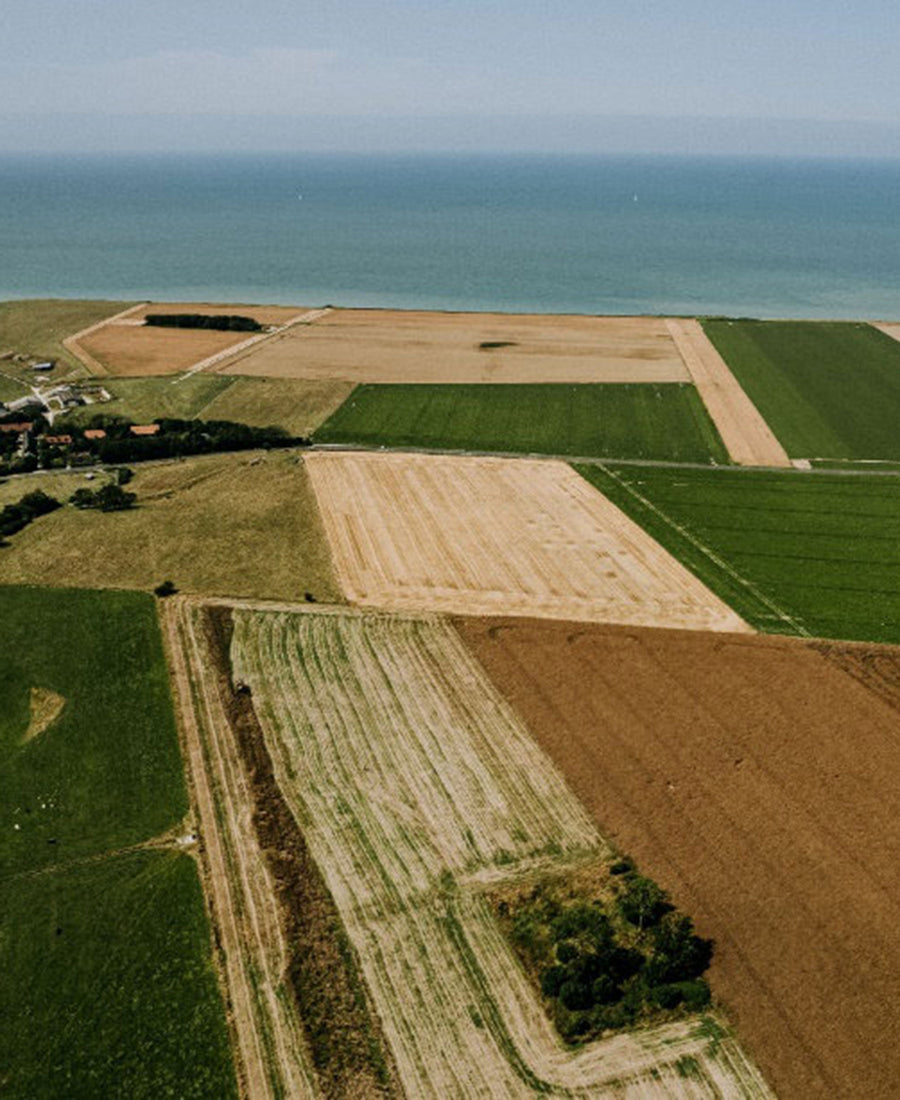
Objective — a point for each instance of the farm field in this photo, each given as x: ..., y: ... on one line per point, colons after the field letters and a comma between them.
x: 792, y: 553
x: 39, y: 326
x: 747, y: 437
x: 828, y: 389
x: 126, y: 346
x: 365, y: 345
x: 417, y: 788
x: 666, y: 422
x: 240, y: 524
x: 297, y: 406
x: 109, y: 986
x: 494, y: 536
x: 754, y: 778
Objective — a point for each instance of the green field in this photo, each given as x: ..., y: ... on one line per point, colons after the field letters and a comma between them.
x: 792, y: 552
x: 654, y: 421
x: 38, y: 326
x: 296, y: 405
x: 108, y: 985
x: 828, y: 389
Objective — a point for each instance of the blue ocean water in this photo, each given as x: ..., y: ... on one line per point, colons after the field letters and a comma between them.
x: 766, y: 238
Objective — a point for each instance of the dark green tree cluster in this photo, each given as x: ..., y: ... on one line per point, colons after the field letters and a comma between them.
x: 175, y: 438
x: 109, y: 498
x: 221, y: 323
x: 13, y: 517
x: 604, y: 967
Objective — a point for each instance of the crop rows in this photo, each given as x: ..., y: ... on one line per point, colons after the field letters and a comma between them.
x: 416, y: 786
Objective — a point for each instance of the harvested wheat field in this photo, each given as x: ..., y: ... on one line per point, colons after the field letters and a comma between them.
x: 371, y: 345
x: 416, y: 787
x: 495, y: 536
x: 756, y: 779
x: 124, y: 345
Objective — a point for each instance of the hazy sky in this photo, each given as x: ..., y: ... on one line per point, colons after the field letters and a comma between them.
x: 493, y: 73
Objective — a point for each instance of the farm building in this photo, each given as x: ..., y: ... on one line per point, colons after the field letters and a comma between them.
x: 47, y: 364
x: 144, y: 429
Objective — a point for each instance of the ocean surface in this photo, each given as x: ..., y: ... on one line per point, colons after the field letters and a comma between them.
x: 748, y: 237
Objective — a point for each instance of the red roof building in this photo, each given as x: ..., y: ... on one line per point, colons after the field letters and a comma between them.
x: 94, y: 433
x: 58, y: 439
x: 18, y: 428
x: 144, y: 429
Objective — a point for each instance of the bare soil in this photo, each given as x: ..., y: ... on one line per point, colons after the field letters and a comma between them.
x: 125, y: 346
x: 359, y: 345
x: 755, y: 778
x: 46, y: 706
x: 749, y: 439
x: 498, y: 536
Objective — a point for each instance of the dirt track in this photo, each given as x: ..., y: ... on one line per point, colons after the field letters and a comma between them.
x: 123, y: 346
x: 491, y: 536
x: 749, y: 439
x: 757, y: 780
x: 359, y: 345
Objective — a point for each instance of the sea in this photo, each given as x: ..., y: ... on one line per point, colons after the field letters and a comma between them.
x: 613, y: 234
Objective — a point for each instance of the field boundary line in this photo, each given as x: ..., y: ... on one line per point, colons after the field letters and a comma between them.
x: 237, y: 351
x: 747, y: 437
x: 779, y: 612
x: 71, y: 343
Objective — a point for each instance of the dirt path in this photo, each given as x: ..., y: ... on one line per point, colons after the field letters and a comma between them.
x: 748, y: 438
x: 238, y: 351
x: 490, y: 536
x: 270, y: 1048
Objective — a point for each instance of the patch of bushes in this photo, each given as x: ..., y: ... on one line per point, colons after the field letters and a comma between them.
x: 222, y: 323
x: 13, y: 517
x: 109, y: 498
x: 610, y: 955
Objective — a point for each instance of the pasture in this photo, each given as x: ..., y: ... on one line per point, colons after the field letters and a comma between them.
x: 754, y: 778
x: 665, y: 422
x: 232, y: 524
x: 386, y: 345
x: 108, y: 982
x: 125, y: 346
x: 792, y: 553
x: 495, y: 536
x: 38, y: 327
x: 828, y: 389
x: 417, y: 789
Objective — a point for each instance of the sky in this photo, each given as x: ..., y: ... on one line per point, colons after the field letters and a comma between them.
x: 815, y: 76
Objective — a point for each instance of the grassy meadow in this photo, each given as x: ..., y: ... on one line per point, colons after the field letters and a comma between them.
x: 793, y: 553
x: 665, y: 421
x: 828, y: 389
x: 108, y: 985
x: 228, y: 525
x: 297, y: 406
x: 38, y: 326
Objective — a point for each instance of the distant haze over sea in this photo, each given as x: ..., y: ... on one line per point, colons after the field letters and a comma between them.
x: 635, y: 234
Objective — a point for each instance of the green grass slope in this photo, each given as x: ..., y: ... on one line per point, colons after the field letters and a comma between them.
x: 827, y: 389
x: 108, y: 987
x: 653, y: 421
x: 792, y: 553
x: 37, y: 326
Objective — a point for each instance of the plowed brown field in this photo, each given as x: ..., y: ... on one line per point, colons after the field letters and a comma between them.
x: 756, y: 778
x: 494, y: 536
x: 379, y: 345
x: 125, y: 346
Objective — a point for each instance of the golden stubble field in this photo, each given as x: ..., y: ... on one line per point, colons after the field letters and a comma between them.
x: 417, y: 788
x: 125, y: 346
x: 360, y: 345
x: 484, y: 536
